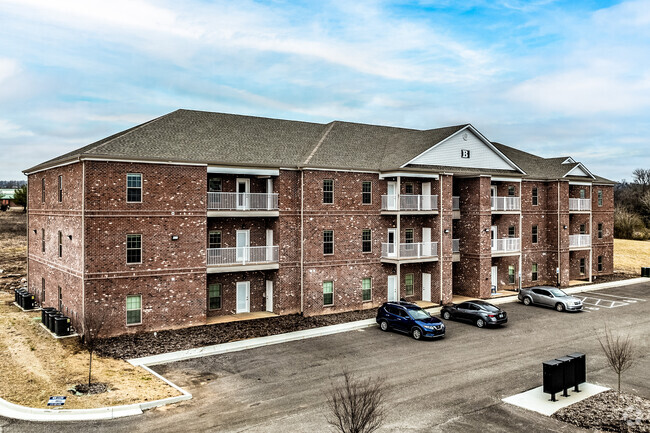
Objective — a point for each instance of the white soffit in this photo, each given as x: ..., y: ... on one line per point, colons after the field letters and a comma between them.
x: 245, y: 170
x: 579, y: 170
x: 407, y: 174
x: 506, y: 179
x: 466, y: 148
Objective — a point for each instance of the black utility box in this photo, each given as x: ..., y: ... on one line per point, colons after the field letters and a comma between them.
x: 553, y: 377
x: 19, y: 296
x: 50, y: 319
x: 62, y: 326
x: 568, y: 373
x: 580, y: 368
x: 27, y: 301
x: 44, y: 312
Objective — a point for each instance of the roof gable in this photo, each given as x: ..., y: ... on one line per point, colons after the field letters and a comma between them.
x: 465, y: 148
x: 579, y: 171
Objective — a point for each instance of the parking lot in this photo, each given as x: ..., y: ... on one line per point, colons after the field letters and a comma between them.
x: 596, y: 302
x: 449, y: 385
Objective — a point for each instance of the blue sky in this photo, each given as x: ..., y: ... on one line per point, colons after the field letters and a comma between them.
x: 550, y: 77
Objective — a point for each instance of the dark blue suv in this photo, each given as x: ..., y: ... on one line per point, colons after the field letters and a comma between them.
x: 410, y: 319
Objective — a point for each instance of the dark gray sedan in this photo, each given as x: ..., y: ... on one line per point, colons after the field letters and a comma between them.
x: 550, y: 297
x: 478, y: 312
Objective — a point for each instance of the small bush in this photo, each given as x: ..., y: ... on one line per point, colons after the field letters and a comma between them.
x: 627, y: 223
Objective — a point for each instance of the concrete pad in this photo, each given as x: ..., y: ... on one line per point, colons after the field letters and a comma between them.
x: 539, y: 402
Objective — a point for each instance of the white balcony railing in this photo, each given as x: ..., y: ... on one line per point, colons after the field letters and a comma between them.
x: 579, y: 204
x: 505, y: 245
x: 579, y: 241
x: 242, y: 255
x: 242, y: 201
x: 505, y: 203
x: 455, y: 203
x: 455, y: 245
x: 409, y: 202
x: 410, y: 251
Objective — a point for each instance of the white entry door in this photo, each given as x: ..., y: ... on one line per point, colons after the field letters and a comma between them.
x: 392, y: 288
x: 243, y: 246
x: 269, y: 245
x: 391, y: 247
x: 269, y: 295
x: 494, y: 276
x: 426, y: 195
x: 426, y: 242
x: 243, y: 189
x: 493, y: 237
x: 493, y: 196
x: 392, y: 196
x: 426, y: 287
x: 243, y: 296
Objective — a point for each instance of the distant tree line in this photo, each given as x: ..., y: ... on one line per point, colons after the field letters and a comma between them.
x: 632, y: 211
x: 12, y: 184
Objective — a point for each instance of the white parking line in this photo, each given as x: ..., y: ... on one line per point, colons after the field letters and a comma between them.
x: 626, y: 298
x: 601, y: 303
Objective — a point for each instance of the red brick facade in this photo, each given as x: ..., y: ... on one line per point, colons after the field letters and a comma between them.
x: 174, y: 276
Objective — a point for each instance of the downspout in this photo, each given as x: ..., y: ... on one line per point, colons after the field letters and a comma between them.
x: 559, y: 268
x: 83, y: 243
x: 302, y: 240
x: 521, y: 237
x: 27, y: 229
x: 440, y: 220
x: 591, y: 233
x: 397, y: 235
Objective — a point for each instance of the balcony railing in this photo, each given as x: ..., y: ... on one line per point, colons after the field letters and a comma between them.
x: 242, y: 255
x: 409, y: 202
x: 579, y: 204
x: 455, y: 203
x: 410, y: 251
x: 505, y: 245
x: 455, y: 245
x: 505, y: 203
x: 578, y: 241
x: 242, y: 201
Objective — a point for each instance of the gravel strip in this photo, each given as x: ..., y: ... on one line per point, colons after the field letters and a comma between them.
x: 602, y: 412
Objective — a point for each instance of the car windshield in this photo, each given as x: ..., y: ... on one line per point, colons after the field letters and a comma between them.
x: 419, y: 314
x: 557, y: 292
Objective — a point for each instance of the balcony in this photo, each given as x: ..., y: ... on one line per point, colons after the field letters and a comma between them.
x: 579, y: 205
x: 506, y: 247
x: 238, y: 259
x: 409, y: 253
x: 455, y: 207
x: 577, y: 242
x: 233, y: 204
x: 409, y: 204
x: 505, y: 204
x: 455, y: 250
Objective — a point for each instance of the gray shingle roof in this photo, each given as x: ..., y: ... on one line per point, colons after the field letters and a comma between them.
x: 229, y: 139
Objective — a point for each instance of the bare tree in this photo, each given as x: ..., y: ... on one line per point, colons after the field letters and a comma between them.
x: 357, y: 405
x: 92, y: 328
x: 642, y: 177
x: 620, y: 353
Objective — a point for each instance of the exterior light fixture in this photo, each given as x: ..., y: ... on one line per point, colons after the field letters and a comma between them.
x: 70, y: 237
x: 174, y: 237
x: 564, y: 227
x: 446, y: 230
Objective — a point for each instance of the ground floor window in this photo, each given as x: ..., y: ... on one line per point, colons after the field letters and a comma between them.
x: 511, y: 274
x: 582, y: 266
x: 600, y: 263
x: 60, y: 300
x: 534, y: 278
x: 42, y: 291
x: 366, y: 289
x: 133, y: 309
x: 214, y: 296
x: 408, y: 279
x: 328, y: 292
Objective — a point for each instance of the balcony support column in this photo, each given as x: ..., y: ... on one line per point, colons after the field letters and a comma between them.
x: 591, y: 233
x: 397, y: 237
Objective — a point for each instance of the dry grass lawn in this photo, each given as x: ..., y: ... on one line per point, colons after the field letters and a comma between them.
x: 631, y: 256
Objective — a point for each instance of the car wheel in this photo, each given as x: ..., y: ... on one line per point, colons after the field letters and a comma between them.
x: 383, y: 325
x: 446, y: 315
x: 480, y: 323
x: 527, y: 301
x: 559, y: 307
x: 416, y: 333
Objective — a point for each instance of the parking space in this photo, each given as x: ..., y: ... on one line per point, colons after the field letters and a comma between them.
x: 598, y: 301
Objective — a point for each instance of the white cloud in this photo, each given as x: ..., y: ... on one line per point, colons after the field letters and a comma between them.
x: 9, y: 129
x: 8, y: 69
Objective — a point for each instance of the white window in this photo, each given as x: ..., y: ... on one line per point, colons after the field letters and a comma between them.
x: 134, y: 187
x: 133, y: 249
x: 328, y: 293
x: 134, y: 309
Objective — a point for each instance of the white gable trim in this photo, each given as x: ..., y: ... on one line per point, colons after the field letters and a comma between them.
x: 481, y: 137
x: 582, y: 168
x: 506, y: 179
x: 569, y: 160
x: 388, y: 174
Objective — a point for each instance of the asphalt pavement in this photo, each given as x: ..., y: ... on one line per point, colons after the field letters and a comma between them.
x: 448, y: 385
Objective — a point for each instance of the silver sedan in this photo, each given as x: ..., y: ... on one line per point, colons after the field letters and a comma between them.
x: 550, y: 297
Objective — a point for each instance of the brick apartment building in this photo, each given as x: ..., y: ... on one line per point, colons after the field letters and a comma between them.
x: 196, y: 214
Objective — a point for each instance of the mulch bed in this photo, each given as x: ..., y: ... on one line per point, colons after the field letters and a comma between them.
x: 94, y: 388
x: 602, y: 412
x: 146, y: 344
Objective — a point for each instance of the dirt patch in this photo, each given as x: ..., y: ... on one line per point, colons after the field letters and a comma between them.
x: 616, y: 276
x: 630, y: 256
x: 604, y: 413
x: 145, y: 344
x: 35, y: 366
x: 13, y: 248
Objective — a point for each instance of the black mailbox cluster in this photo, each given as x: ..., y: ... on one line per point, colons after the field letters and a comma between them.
x: 563, y: 373
x: 24, y: 299
x: 55, y: 321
